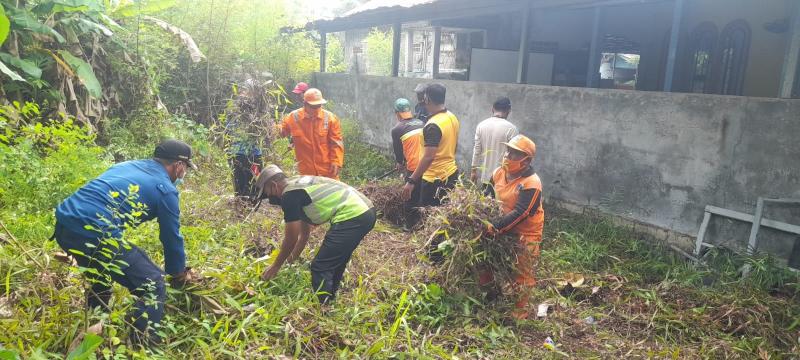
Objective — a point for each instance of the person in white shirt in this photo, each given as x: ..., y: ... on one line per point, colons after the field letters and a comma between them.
x: 489, y: 138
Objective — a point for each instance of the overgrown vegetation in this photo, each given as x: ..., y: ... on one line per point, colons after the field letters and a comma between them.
x: 456, y: 233
x: 364, y: 163
x: 379, y: 52
x: 241, y: 39
x: 610, y: 292
x: 626, y: 296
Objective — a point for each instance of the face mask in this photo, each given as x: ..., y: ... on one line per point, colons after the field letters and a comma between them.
x: 513, y: 166
x: 179, y: 179
x: 272, y: 199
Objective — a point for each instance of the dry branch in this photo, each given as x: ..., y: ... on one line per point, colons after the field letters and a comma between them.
x: 386, y: 197
x: 191, y: 46
x: 456, y: 231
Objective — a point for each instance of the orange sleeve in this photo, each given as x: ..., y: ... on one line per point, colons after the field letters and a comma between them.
x: 336, y: 142
x: 286, y: 128
x: 522, y: 209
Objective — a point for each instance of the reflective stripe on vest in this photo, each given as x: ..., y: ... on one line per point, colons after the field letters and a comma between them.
x: 331, y: 201
x: 411, y: 133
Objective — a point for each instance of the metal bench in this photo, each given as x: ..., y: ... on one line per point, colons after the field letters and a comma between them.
x: 756, y: 220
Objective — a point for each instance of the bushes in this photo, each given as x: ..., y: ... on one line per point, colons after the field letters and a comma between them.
x: 43, y: 160
x: 361, y: 161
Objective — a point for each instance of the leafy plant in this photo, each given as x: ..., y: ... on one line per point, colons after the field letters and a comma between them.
x: 379, y: 52
x: 85, y: 349
x: 362, y: 162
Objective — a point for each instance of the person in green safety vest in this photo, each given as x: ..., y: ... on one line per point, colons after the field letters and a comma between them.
x: 315, y: 200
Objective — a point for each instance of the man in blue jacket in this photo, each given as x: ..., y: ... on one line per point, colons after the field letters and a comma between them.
x: 90, y: 225
x: 242, y: 127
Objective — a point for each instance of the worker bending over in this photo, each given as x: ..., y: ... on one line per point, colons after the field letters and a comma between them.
x: 317, y: 137
x: 90, y: 225
x: 519, y: 190
x: 315, y: 200
x: 407, y: 145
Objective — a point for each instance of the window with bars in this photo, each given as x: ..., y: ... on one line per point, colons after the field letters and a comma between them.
x: 702, y: 42
x: 419, y: 57
x: 734, y: 51
x: 796, y: 87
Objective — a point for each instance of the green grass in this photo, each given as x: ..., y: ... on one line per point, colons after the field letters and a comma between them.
x: 649, y: 303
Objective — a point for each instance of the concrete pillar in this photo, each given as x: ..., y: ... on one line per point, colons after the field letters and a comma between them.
x: 437, y: 44
x: 409, y: 51
x: 396, y: 29
x: 594, y: 48
x: 677, y: 20
x: 791, y: 58
x: 323, y: 44
x: 524, y: 50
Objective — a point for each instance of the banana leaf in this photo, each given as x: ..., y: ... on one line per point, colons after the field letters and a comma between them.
x: 84, y: 72
x: 24, y: 20
x: 5, y: 25
x: 29, y: 67
x: 5, y: 70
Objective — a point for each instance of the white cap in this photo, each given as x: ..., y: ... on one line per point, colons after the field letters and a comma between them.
x: 265, y: 176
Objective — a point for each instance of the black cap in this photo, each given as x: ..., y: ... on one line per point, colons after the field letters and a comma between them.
x: 172, y: 149
x: 502, y: 104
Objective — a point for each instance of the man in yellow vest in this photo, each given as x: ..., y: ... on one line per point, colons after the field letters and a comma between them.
x: 436, y: 172
x: 315, y: 200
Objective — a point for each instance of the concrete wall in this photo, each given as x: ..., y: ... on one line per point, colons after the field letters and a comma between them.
x: 658, y: 158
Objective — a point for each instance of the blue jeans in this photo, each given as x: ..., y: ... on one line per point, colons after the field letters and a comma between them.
x: 139, y: 275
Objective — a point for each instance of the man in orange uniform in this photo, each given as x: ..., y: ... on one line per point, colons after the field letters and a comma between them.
x: 407, y: 145
x: 519, y: 189
x: 317, y: 137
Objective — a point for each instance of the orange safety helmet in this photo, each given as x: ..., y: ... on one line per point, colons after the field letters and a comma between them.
x: 314, y: 97
x: 522, y: 143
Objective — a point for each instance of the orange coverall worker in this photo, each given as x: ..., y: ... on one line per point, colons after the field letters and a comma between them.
x: 521, y: 199
x: 407, y: 137
x: 317, y: 141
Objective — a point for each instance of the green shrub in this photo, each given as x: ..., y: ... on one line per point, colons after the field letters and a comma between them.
x: 362, y: 162
x: 42, y: 161
x: 136, y: 137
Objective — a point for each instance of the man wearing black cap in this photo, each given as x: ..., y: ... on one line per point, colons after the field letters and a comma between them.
x: 90, y: 225
x: 420, y: 112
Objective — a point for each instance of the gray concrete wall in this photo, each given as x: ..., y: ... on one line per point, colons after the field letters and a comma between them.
x: 657, y: 158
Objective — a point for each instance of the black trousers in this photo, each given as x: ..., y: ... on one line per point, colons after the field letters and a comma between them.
x: 140, y: 276
x: 327, y: 268
x: 432, y: 193
x: 243, y: 174
x: 411, y: 208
